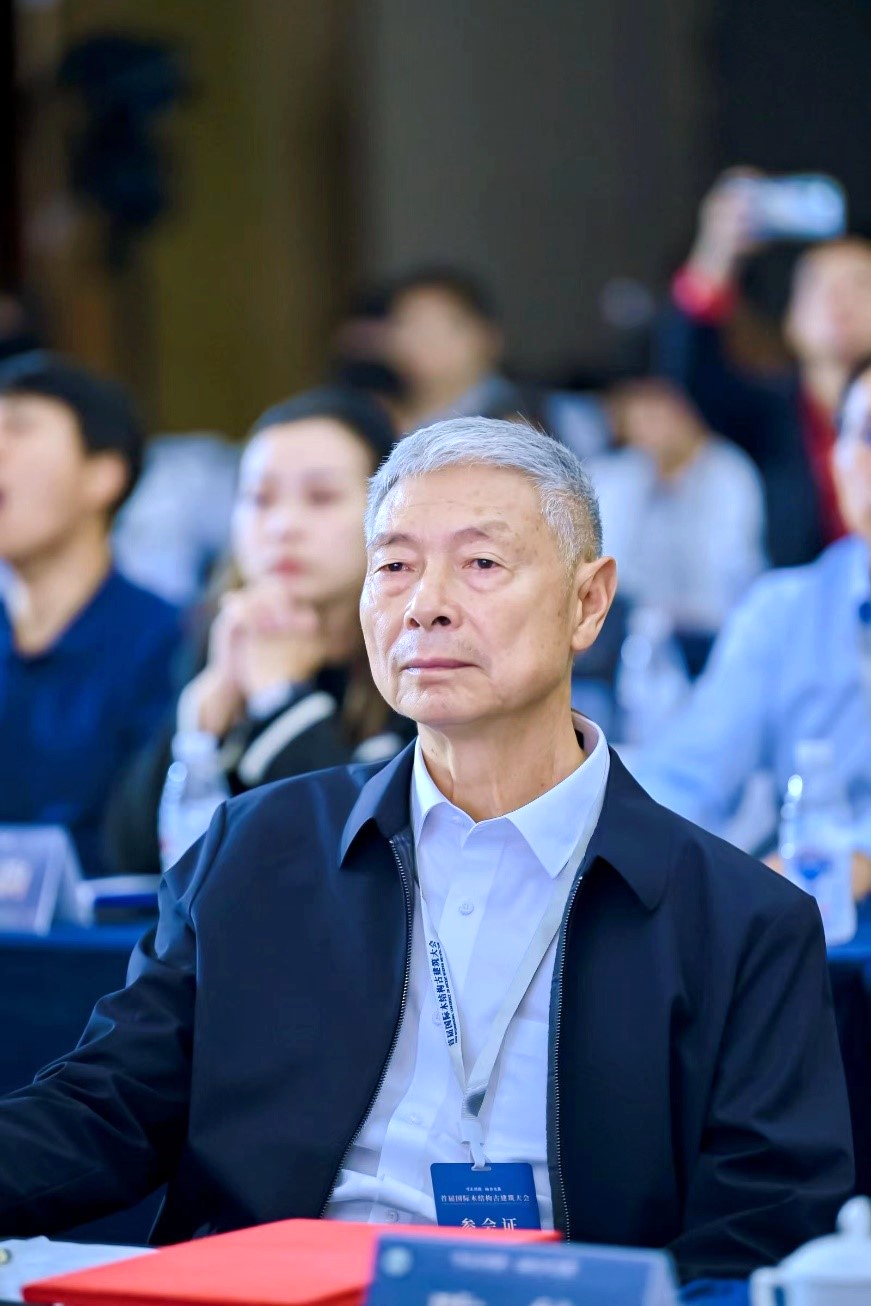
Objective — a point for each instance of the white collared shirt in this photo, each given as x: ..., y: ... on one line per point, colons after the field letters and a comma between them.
x: 487, y: 887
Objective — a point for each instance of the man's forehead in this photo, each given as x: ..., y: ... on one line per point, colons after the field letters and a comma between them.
x: 459, y: 507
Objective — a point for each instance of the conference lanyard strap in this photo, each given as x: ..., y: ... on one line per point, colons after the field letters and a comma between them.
x: 474, y: 1086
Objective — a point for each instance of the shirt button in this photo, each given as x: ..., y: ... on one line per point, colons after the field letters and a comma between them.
x: 415, y: 1119
x: 436, y: 1018
x: 391, y: 1216
x: 466, y: 908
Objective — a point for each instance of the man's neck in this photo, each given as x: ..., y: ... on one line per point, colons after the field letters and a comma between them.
x: 824, y: 381
x: 439, y: 398
x: 490, y: 770
x: 48, y: 592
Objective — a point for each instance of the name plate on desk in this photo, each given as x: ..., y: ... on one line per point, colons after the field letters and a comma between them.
x: 39, y: 872
x: 413, y: 1271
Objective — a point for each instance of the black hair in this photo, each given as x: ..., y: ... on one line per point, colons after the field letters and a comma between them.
x: 363, y: 416
x: 105, y: 416
x: 462, y: 286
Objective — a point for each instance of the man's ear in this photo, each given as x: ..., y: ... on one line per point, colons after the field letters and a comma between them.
x: 108, y: 475
x: 595, y: 585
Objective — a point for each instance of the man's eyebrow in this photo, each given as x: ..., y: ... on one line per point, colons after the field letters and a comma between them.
x: 485, y: 531
x: 386, y: 539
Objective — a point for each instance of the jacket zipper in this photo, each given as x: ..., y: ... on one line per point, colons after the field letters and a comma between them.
x: 409, y: 917
x: 559, y: 1014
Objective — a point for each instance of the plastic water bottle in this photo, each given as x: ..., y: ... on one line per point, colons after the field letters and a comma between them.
x: 652, y: 680
x: 194, y: 788
x: 815, y: 837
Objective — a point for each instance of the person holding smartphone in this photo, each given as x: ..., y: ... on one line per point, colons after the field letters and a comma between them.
x: 785, y: 421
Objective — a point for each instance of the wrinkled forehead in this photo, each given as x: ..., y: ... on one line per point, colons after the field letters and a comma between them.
x: 436, y: 506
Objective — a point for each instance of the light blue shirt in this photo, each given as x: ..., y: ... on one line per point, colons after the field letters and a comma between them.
x: 792, y: 663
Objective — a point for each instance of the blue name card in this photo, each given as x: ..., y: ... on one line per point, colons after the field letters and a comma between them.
x: 39, y: 874
x: 413, y: 1271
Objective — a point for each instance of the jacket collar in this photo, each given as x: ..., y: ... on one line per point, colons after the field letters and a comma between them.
x: 634, y: 834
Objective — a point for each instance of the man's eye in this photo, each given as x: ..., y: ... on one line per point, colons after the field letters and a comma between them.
x: 392, y: 567
x: 483, y: 564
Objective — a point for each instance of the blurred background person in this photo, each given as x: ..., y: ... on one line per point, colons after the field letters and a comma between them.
x: 446, y: 345
x: 682, y: 509
x: 784, y: 421
x: 793, y: 664
x: 286, y: 686
x: 360, y: 352
x: 86, y: 656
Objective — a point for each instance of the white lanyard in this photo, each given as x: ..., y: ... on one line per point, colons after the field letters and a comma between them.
x: 474, y: 1086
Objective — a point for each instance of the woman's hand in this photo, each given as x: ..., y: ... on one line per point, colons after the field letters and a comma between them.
x: 263, y: 635
x: 276, y: 636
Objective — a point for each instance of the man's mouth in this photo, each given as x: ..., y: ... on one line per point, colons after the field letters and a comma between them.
x: 435, y: 664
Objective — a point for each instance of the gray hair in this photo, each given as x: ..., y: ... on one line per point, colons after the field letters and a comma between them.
x: 568, y: 500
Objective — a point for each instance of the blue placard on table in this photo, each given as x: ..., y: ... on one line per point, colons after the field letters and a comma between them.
x: 39, y: 874
x: 413, y: 1271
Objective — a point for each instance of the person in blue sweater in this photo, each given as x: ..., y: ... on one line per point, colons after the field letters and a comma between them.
x: 86, y: 657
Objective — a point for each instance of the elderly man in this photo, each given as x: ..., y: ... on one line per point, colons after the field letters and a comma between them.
x: 490, y: 982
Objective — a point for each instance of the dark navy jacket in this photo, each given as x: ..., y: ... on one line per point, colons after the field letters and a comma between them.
x: 696, y: 1096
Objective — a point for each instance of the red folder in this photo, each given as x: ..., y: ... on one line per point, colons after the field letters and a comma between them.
x: 291, y: 1263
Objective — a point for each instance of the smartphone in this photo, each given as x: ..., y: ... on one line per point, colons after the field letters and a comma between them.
x: 804, y: 206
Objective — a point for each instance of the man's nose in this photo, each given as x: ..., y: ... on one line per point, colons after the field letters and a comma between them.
x: 431, y: 603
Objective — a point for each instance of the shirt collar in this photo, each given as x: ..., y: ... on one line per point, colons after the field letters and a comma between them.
x: 549, y: 824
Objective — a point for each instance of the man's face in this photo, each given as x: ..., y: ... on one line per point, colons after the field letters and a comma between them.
x: 436, y: 340
x: 852, y: 459
x: 829, y: 316
x: 467, y: 610
x: 48, y: 483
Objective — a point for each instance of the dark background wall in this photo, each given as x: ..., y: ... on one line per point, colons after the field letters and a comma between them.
x: 552, y: 146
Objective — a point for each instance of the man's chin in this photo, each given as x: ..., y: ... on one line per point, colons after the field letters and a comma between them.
x: 438, y: 712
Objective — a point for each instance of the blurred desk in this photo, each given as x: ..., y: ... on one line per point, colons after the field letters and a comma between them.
x: 47, y: 989
x: 48, y: 986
